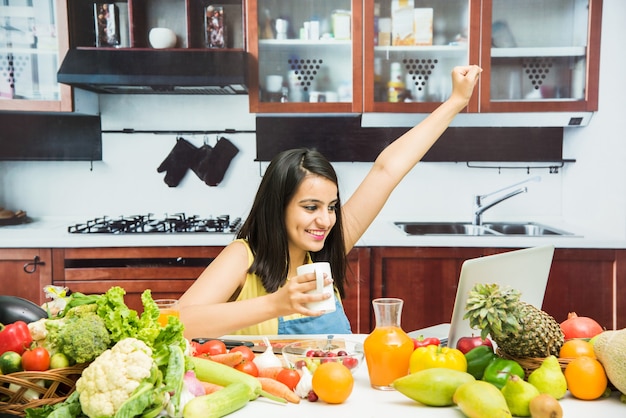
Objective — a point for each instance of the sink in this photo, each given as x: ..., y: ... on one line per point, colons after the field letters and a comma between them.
x: 528, y: 229
x: 443, y: 228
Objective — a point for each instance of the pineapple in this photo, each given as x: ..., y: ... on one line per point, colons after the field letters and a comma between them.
x: 518, y: 328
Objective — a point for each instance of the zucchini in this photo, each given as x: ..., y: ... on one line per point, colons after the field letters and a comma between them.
x: 220, y: 374
x: 217, y: 404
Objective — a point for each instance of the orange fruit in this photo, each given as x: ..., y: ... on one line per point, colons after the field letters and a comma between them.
x: 576, y: 348
x: 332, y: 382
x: 586, y: 378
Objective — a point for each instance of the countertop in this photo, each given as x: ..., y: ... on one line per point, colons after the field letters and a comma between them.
x: 368, y: 402
x: 52, y: 233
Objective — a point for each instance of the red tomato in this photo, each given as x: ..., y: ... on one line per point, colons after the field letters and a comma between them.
x: 37, y: 359
x: 248, y: 354
x: 289, y: 377
x: 248, y: 367
x: 212, y: 347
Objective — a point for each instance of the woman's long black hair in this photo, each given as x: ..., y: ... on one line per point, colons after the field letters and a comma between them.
x: 265, y: 226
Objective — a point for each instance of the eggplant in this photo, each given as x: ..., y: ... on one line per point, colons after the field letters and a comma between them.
x: 13, y: 308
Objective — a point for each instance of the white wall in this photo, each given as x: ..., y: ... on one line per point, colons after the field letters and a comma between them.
x: 590, y: 193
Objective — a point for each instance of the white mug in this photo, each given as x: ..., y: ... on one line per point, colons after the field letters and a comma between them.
x: 326, y: 305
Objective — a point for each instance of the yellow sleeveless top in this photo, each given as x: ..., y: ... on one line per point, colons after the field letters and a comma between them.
x: 252, y: 288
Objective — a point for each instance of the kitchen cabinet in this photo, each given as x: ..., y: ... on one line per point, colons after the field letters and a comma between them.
x: 25, y: 272
x: 425, y: 278
x: 132, y: 21
x: 537, y: 55
x: 307, y: 56
x: 33, y: 42
x: 587, y: 281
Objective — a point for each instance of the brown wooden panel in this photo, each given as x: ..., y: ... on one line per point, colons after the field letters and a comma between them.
x: 357, y: 301
x: 581, y: 281
x: 121, y: 273
x: 14, y: 281
x: 141, y: 252
x: 620, y: 289
x: 133, y: 288
x: 425, y: 278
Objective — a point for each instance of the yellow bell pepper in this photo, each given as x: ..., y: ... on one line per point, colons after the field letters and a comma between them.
x: 437, y: 356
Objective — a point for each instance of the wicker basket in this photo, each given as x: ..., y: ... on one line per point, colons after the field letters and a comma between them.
x: 59, y: 384
x: 529, y: 364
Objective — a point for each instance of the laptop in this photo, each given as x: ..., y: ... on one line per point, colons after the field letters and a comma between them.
x: 526, y: 270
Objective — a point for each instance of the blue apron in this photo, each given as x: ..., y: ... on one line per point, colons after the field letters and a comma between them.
x: 330, y: 323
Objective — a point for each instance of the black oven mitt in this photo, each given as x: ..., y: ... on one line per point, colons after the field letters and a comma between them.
x: 202, y: 161
x: 178, y: 161
x: 221, y: 156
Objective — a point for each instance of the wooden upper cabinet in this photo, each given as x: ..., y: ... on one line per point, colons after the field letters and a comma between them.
x: 33, y: 42
x: 192, y: 21
x: 410, y: 49
x: 306, y: 56
x: 537, y: 55
x: 540, y: 55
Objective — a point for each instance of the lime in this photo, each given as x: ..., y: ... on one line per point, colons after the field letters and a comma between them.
x: 10, y: 362
x: 58, y: 361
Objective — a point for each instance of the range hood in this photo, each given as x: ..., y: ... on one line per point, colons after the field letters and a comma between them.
x: 156, y: 71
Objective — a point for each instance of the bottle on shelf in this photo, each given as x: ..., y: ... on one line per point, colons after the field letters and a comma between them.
x: 395, y: 86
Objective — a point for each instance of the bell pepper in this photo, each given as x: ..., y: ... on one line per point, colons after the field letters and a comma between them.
x: 422, y: 341
x: 499, y: 371
x: 15, y: 337
x: 437, y: 356
x: 478, y: 358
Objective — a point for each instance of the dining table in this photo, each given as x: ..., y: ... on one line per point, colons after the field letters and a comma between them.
x: 365, y: 401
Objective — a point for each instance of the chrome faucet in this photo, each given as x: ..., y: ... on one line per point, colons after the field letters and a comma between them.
x: 480, y: 207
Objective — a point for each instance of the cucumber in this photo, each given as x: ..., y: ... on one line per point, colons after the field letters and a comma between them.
x: 214, y: 372
x: 217, y: 404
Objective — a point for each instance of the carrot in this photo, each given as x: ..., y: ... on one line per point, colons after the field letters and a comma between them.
x: 229, y: 359
x: 274, y: 387
x: 270, y: 372
x: 210, y: 387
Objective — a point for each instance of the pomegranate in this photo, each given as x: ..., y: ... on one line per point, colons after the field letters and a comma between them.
x: 580, y: 327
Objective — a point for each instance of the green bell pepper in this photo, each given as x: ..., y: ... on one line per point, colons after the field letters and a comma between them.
x: 499, y: 371
x: 478, y: 358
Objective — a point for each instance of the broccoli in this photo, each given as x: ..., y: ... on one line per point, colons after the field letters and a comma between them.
x: 82, y: 338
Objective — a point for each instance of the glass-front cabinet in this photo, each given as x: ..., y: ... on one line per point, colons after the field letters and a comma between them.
x: 306, y: 55
x: 33, y: 41
x: 540, y: 54
x: 412, y: 46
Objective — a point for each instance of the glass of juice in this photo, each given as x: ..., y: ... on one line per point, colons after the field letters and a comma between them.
x: 167, y: 308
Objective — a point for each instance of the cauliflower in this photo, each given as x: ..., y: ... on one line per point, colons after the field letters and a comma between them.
x: 112, y: 378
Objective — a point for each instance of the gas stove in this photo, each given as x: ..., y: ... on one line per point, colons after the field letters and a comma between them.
x: 139, y: 224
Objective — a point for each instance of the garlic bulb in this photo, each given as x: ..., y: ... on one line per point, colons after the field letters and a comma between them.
x: 267, y: 358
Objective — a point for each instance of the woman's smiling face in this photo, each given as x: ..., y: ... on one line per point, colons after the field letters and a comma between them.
x: 311, y: 213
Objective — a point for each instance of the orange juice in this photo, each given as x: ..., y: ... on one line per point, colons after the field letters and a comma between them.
x: 164, y: 313
x: 388, y: 350
x: 167, y: 308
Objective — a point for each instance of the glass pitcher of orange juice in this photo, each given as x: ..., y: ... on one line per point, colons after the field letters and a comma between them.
x: 388, y: 348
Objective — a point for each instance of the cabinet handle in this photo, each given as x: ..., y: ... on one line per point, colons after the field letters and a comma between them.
x: 31, y: 267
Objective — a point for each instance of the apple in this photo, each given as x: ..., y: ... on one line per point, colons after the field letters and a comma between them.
x: 465, y: 344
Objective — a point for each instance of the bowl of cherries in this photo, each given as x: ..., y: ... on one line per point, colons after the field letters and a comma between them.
x: 313, y: 352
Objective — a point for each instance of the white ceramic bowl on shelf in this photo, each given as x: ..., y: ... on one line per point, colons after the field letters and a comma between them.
x: 161, y: 38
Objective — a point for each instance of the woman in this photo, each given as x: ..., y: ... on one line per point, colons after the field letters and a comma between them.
x: 297, y: 217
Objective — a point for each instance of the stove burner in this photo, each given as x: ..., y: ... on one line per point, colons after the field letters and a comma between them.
x: 177, y: 223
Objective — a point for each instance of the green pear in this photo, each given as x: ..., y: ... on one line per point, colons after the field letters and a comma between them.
x: 518, y: 394
x: 480, y: 399
x: 432, y: 387
x: 549, y: 378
